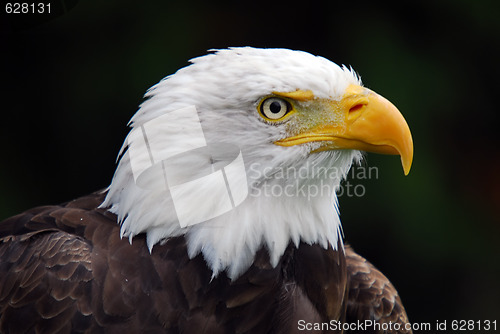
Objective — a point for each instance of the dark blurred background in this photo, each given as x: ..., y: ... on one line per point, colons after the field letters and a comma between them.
x: 72, y: 80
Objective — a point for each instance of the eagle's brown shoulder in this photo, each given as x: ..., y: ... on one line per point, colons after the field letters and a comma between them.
x: 45, y: 267
x: 65, y: 269
x: 371, y: 296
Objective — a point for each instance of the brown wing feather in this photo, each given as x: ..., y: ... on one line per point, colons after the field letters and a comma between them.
x: 45, y: 273
x: 64, y: 269
x: 42, y: 283
x: 371, y: 296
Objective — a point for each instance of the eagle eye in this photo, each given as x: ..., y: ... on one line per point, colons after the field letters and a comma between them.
x: 274, y: 108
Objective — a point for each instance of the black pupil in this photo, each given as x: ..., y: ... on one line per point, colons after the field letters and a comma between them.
x: 275, y: 107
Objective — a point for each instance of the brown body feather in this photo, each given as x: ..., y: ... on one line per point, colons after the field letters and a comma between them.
x: 64, y: 269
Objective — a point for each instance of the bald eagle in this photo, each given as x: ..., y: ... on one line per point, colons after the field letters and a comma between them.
x: 222, y: 215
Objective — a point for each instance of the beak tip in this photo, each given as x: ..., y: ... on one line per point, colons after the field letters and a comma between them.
x: 406, y: 164
x: 406, y: 150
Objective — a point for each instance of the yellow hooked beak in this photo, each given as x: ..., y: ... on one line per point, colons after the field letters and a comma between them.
x: 361, y: 120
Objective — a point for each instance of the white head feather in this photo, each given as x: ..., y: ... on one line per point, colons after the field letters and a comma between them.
x: 288, y: 201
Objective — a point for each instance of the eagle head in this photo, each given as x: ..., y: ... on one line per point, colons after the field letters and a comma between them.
x: 290, y: 123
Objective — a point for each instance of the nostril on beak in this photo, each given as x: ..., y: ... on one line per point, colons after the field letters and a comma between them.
x: 356, y: 107
x: 356, y: 110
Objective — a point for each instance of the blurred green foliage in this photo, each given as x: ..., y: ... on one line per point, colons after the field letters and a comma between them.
x: 70, y: 85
